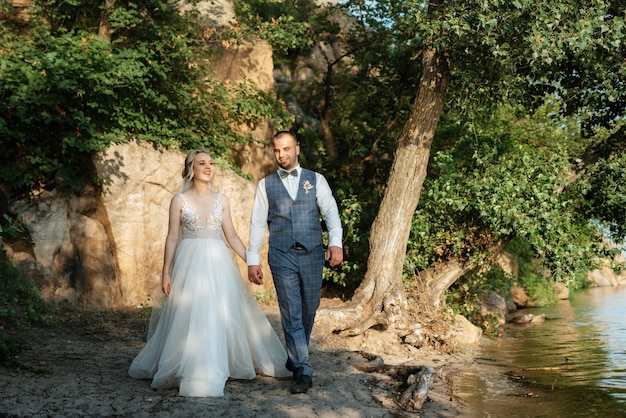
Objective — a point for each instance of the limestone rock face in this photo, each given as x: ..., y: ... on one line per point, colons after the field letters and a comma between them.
x: 216, y: 13
x: 106, y: 249
x: 140, y: 182
x: 520, y: 297
x: 247, y: 61
x: 561, y: 291
x: 252, y: 62
x: 71, y: 256
x: 508, y: 263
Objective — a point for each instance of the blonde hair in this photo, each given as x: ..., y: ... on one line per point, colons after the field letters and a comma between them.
x: 188, y: 168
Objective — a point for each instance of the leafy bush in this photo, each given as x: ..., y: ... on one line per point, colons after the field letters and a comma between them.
x: 502, y: 180
x: 346, y: 277
x: 68, y: 93
x: 284, y: 24
x: 605, y: 194
x: 532, y: 274
x: 466, y: 294
x: 20, y: 304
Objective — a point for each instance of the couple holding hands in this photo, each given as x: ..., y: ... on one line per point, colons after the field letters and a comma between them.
x: 211, y: 328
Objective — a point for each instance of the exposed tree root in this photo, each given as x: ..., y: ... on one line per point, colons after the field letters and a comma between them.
x: 413, y: 326
x: 414, y: 381
x: 377, y: 320
x: 415, y: 394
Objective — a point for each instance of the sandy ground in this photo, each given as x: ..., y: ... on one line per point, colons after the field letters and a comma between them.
x: 78, y: 367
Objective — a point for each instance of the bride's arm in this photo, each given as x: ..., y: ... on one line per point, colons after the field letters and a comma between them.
x: 171, y: 242
x: 229, y: 230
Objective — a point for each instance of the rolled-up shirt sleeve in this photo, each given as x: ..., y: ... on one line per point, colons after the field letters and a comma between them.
x: 329, y: 210
x: 258, y: 224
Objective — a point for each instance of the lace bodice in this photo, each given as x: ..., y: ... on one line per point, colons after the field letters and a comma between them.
x: 204, y: 222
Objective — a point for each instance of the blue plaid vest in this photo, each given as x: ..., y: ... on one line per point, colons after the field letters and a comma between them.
x: 290, y: 221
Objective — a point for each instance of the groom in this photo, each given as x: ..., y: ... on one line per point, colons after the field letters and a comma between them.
x: 290, y: 202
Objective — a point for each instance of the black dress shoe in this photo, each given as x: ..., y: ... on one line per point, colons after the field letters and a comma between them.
x: 290, y: 366
x: 302, y: 384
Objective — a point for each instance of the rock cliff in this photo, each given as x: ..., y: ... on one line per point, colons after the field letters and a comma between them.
x: 106, y: 249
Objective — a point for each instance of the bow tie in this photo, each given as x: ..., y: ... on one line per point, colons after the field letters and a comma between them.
x: 285, y: 174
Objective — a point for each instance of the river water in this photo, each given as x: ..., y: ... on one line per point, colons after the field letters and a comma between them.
x: 573, y: 365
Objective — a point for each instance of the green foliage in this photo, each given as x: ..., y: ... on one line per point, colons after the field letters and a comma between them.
x: 503, y: 152
x: 357, y: 209
x: 507, y: 141
x: 11, y: 228
x: 510, y: 51
x: 604, y: 191
x: 68, y: 93
x: 355, y: 245
x: 540, y: 289
x: 466, y: 294
x: 534, y: 277
x: 364, y: 104
x: 282, y: 23
x: 20, y: 304
x: 501, y: 179
x: 532, y: 273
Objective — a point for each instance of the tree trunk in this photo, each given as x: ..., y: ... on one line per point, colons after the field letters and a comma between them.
x: 104, y: 27
x: 433, y: 282
x: 329, y: 141
x: 382, y: 288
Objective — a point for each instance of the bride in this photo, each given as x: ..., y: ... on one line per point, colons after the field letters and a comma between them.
x: 211, y: 327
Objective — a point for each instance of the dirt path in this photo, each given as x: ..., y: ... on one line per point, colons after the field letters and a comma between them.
x: 78, y: 367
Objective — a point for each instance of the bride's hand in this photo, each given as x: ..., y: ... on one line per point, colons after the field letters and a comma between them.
x: 166, y: 285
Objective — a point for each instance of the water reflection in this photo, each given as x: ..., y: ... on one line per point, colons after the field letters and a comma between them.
x: 572, y: 365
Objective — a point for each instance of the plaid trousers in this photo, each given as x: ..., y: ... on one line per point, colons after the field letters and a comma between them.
x: 297, y: 275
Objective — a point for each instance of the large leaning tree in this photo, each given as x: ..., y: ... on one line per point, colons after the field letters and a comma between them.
x: 498, y: 52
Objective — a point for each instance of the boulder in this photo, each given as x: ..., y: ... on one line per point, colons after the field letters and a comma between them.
x: 494, y: 305
x: 508, y: 263
x: 603, y: 277
x: 527, y: 319
x: 561, y: 291
x: 465, y: 333
x: 520, y: 297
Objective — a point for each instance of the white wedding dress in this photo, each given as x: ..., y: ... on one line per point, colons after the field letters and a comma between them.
x: 211, y: 327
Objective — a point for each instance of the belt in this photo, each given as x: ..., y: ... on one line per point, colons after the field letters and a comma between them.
x: 298, y: 246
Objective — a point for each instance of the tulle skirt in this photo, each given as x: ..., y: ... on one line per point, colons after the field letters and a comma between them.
x: 210, y: 328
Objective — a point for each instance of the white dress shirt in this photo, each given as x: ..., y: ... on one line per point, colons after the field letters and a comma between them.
x: 325, y: 201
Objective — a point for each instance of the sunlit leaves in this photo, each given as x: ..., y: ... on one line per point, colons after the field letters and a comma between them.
x: 605, y: 194
x: 501, y: 179
x: 285, y: 24
x: 67, y: 93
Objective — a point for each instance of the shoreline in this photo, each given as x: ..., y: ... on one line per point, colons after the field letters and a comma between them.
x: 78, y: 367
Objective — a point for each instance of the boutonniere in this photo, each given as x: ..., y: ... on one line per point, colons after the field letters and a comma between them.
x: 307, y: 186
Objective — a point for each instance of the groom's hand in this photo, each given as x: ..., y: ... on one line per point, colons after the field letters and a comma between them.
x: 255, y: 274
x: 334, y: 256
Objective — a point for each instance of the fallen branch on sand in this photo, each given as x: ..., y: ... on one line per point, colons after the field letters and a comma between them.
x: 414, y: 384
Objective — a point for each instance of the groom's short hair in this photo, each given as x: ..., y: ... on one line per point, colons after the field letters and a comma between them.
x: 289, y: 133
